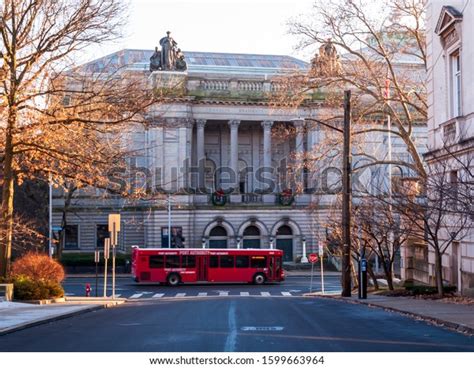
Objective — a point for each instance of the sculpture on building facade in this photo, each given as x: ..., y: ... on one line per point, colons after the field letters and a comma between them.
x: 327, y: 63
x: 169, y: 58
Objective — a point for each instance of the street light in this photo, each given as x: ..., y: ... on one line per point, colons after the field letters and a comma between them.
x: 346, y: 193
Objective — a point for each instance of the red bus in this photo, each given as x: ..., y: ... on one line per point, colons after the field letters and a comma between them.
x: 187, y: 265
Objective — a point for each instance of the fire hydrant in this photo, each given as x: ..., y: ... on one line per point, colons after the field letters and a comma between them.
x: 88, y: 290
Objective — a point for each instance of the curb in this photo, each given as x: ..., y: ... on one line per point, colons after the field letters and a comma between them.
x: 457, y: 327
x: 26, y: 325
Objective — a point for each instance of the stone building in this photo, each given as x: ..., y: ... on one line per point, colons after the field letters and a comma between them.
x: 451, y: 117
x: 218, y: 142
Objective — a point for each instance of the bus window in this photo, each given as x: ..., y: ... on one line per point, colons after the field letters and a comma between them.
x: 227, y: 262
x: 189, y: 261
x: 213, y: 262
x: 242, y: 261
x: 156, y: 262
x: 172, y: 261
x: 258, y: 262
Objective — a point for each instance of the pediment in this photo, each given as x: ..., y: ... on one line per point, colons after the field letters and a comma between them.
x: 448, y: 17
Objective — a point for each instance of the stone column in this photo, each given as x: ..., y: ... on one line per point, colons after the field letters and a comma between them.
x: 201, y: 155
x: 299, y: 125
x: 234, y: 151
x: 267, y: 147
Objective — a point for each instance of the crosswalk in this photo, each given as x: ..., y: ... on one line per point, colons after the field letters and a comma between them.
x: 266, y: 294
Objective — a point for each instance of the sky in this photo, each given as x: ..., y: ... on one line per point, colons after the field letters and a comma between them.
x: 240, y: 26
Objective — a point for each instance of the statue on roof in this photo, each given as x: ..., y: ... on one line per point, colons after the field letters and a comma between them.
x: 169, y: 58
x: 327, y: 63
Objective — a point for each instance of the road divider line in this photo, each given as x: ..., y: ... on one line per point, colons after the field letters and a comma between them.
x: 180, y: 295
x: 136, y: 296
x: 160, y: 295
x: 286, y: 293
x: 244, y: 293
x: 202, y: 294
x: 265, y: 293
x: 223, y: 293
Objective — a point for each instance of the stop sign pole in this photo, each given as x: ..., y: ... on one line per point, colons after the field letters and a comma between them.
x: 313, y: 258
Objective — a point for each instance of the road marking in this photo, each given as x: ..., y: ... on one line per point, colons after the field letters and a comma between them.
x: 262, y: 328
x: 158, y: 295
x: 117, y: 295
x: 244, y: 293
x: 223, y: 293
x: 265, y: 293
x: 286, y: 293
x: 136, y: 296
x: 202, y: 294
x: 180, y: 295
x: 69, y: 294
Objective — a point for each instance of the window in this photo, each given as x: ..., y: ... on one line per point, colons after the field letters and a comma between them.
x: 456, y: 99
x: 242, y: 261
x: 213, y: 262
x: 227, y: 261
x: 102, y: 232
x: 258, y: 262
x: 72, y: 237
x: 156, y: 262
x: 172, y: 261
x: 189, y: 261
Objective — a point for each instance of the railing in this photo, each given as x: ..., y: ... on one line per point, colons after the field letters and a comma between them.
x: 215, y: 85
x: 250, y: 86
x: 252, y: 198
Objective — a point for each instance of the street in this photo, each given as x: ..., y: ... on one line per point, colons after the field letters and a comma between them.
x: 207, y: 319
x: 127, y: 288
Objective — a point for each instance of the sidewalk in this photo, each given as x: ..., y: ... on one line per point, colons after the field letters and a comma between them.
x: 459, y: 317
x: 18, y: 316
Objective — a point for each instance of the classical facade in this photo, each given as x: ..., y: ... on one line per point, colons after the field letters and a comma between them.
x: 219, y: 154
x: 451, y: 116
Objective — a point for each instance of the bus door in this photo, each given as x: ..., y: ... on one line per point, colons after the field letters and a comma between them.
x: 202, y: 265
x: 271, y: 268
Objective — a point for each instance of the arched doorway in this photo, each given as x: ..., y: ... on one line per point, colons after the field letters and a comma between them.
x: 251, y: 237
x: 218, y: 237
x: 284, y: 241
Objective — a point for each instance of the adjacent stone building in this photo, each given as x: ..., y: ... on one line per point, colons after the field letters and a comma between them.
x: 451, y: 116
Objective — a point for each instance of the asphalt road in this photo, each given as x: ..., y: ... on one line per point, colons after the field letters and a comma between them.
x: 237, y: 324
x: 127, y: 288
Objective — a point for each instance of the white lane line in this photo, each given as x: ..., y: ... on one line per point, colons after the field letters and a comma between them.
x: 180, y: 295
x: 202, y: 294
x: 117, y: 295
x: 136, y: 296
x: 223, y: 293
x: 158, y: 295
x: 286, y: 293
x: 244, y: 293
x: 265, y: 293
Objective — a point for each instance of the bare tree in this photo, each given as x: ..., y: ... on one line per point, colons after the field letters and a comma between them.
x: 50, y: 112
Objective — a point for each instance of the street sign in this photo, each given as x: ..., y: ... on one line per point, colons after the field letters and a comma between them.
x: 321, y: 249
x: 114, y: 228
x: 313, y: 258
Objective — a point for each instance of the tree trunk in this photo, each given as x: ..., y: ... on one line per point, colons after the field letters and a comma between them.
x: 8, y: 191
x: 387, y: 270
x: 439, y: 273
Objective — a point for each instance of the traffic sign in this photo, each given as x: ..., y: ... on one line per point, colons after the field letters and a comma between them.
x: 313, y: 258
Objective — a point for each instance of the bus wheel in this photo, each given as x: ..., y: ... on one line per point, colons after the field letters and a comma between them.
x: 259, y: 279
x: 173, y: 279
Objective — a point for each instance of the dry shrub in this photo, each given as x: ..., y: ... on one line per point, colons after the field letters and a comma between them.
x: 38, y: 267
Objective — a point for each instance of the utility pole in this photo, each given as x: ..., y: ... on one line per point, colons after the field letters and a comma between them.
x: 346, y: 199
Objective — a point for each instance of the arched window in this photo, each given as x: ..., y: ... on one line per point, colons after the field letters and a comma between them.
x: 218, y: 237
x: 284, y: 230
x: 251, y: 237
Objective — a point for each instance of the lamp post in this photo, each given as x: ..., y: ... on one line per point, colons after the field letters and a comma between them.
x: 346, y: 193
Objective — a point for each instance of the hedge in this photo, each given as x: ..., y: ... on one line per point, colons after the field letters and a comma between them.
x: 87, y: 259
x: 26, y: 288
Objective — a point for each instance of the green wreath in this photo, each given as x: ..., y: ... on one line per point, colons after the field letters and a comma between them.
x: 219, y: 198
x: 286, y: 197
